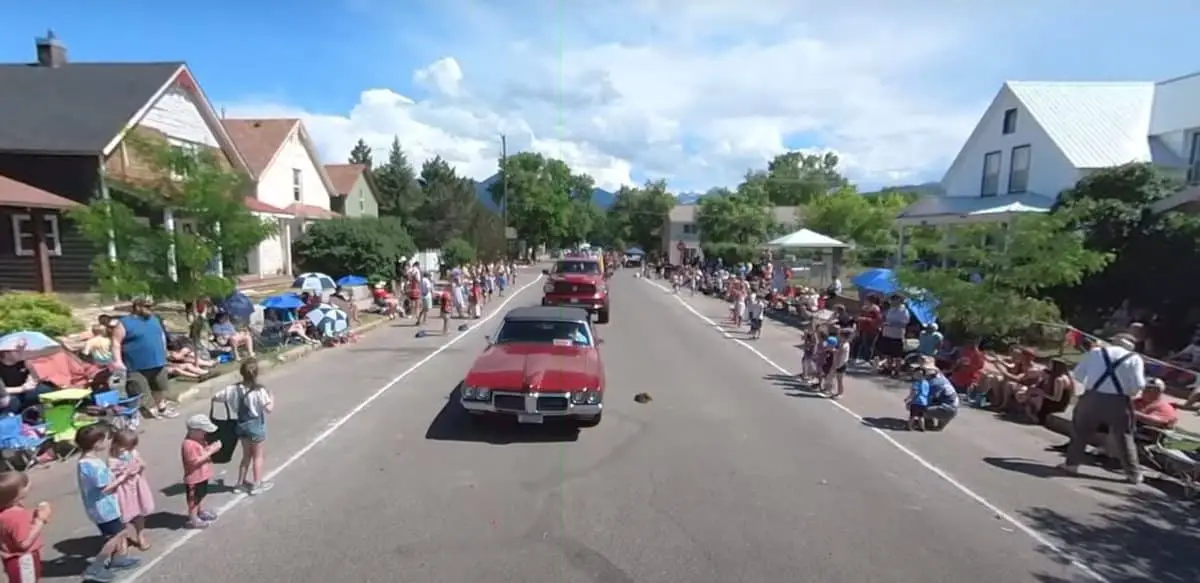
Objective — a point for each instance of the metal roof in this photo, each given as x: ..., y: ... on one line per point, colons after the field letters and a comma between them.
x: 546, y: 314
x: 77, y: 108
x: 1095, y: 124
x: 935, y: 206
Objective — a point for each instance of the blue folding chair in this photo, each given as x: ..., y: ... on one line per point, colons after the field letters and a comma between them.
x: 121, y: 412
x: 15, y: 445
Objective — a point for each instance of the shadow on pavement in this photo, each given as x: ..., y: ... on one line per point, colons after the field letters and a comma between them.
x: 77, y: 553
x: 1135, y: 539
x: 886, y: 423
x: 178, y: 489
x: 453, y: 423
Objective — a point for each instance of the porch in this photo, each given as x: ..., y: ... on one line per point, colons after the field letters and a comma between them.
x: 945, y: 212
x: 273, y: 257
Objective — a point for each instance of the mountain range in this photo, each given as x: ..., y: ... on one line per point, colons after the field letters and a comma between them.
x: 602, y: 198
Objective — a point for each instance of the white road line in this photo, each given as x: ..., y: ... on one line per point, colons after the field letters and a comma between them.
x: 1037, y: 536
x: 329, y: 431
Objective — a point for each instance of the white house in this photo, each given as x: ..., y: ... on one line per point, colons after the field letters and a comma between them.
x: 1039, y: 138
x: 291, y: 185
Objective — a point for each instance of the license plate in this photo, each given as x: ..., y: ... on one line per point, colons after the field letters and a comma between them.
x: 530, y: 419
x: 574, y: 300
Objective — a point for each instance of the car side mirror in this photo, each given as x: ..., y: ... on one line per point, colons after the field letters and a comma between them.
x: 545, y: 272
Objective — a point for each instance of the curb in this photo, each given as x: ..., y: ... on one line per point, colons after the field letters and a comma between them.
x: 207, y: 388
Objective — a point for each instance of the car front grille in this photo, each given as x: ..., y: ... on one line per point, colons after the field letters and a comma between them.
x: 509, y: 402
x: 566, y: 287
x: 552, y: 403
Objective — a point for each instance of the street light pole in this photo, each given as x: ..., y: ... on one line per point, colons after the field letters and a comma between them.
x: 504, y: 188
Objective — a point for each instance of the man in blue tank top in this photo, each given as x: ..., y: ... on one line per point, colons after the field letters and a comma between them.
x: 140, y: 347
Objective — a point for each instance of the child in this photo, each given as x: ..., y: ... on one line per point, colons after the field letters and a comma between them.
x: 808, y: 363
x: 98, y: 348
x: 825, y: 356
x: 253, y: 403
x: 755, y: 312
x: 97, y: 489
x: 918, y: 401
x: 476, y: 298
x: 447, y: 305
x: 134, y: 495
x: 198, y: 468
x: 21, y: 538
x: 841, y: 358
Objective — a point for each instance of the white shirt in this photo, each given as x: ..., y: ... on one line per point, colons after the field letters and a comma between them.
x: 895, y: 321
x: 1131, y: 374
x: 756, y: 309
x: 257, y: 402
x: 426, y: 287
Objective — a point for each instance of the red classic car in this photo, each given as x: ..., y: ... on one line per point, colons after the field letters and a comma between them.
x: 579, y: 283
x: 543, y: 362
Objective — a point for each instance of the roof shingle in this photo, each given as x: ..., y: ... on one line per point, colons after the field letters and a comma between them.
x: 14, y: 193
x: 1095, y: 124
x: 344, y: 176
x: 259, y: 139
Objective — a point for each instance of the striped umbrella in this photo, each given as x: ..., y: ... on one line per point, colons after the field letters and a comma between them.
x: 329, y: 320
x: 314, y: 282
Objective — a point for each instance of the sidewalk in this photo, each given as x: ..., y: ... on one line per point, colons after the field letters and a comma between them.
x: 311, y: 394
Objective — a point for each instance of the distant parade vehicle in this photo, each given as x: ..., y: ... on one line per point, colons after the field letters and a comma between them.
x: 543, y: 363
x: 578, y: 282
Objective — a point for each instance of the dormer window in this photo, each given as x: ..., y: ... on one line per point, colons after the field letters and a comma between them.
x: 297, y: 185
x: 1010, y: 121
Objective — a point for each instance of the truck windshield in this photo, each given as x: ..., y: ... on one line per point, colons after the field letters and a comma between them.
x: 577, y: 267
x: 530, y: 332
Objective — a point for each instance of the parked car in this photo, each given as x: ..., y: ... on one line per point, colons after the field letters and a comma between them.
x: 578, y: 282
x: 542, y: 363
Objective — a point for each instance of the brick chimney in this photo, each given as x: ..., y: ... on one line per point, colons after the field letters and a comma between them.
x: 50, y: 52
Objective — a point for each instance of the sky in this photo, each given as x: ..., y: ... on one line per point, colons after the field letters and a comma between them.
x: 693, y: 91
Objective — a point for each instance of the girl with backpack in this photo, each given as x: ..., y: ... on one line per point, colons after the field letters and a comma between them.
x: 253, y: 403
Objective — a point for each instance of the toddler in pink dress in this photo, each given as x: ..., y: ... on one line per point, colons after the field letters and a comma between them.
x: 134, y: 496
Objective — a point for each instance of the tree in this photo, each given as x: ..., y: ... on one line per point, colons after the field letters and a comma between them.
x: 192, y: 184
x: 361, y: 154
x: 538, y: 197
x: 447, y: 205
x: 733, y: 225
x: 486, y: 234
x: 365, y: 246
x: 457, y: 253
x: 996, y: 274
x: 637, y: 215
x: 1155, y: 254
x: 850, y: 217
x: 397, y: 190
x: 797, y: 178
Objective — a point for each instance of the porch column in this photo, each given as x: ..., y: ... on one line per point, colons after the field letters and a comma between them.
x: 1007, y: 236
x: 287, y: 245
x: 903, y: 231
x: 169, y: 226
x: 219, y: 260
x: 41, y: 251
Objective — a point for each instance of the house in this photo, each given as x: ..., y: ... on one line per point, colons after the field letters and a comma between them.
x: 355, y: 190
x: 1176, y: 124
x: 291, y: 185
x: 65, y: 132
x: 681, y: 233
x: 1037, y: 139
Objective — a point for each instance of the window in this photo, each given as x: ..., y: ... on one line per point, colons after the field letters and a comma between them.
x: 1018, y: 170
x: 23, y: 240
x: 1193, y: 176
x: 548, y: 332
x: 362, y: 204
x: 1010, y: 121
x: 689, y: 228
x: 297, y: 185
x: 577, y: 267
x: 991, y: 174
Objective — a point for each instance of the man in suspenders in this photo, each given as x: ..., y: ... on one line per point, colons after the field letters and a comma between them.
x: 1112, y: 375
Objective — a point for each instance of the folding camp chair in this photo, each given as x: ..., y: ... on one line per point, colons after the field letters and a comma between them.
x: 1166, y: 456
x: 120, y: 412
x: 62, y: 422
x: 15, y: 445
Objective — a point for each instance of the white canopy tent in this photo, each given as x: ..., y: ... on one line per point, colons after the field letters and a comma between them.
x: 806, y: 239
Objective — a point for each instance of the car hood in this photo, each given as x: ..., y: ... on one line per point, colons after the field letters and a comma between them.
x: 537, y: 368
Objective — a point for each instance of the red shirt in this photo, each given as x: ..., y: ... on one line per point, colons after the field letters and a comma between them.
x: 15, y: 524
x: 869, y: 320
x: 1159, y: 408
x: 970, y: 368
x: 196, y: 469
x: 447, y: 301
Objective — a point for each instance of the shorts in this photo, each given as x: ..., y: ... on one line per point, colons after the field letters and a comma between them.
x: 148, y: 381
x: 890, y: 347
x: 427, y: 303
x: 840, y: 369
x: 26, y: 568
x: 755, y: 324
x: 915, y: 410
x: 111, y: 528
x: 253, y: 430
x: 196, y: 493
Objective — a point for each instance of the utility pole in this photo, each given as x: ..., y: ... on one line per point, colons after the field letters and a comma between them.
x: 504, y: 189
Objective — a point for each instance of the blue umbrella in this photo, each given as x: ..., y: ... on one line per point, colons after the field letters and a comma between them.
x: 283, y: 302
x: 34, y: 341
x: 878, y: 280
x: 238, y: 305
x: 349, y: 280
x: 314, y: 282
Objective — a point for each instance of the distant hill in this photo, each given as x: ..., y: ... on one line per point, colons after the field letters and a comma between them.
x: 924, y: 189
x: 602, y: 198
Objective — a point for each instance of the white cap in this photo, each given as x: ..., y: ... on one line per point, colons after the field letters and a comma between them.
x: 201, y: 422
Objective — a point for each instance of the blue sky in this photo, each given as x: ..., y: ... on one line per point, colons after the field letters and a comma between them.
x: 695, y: 91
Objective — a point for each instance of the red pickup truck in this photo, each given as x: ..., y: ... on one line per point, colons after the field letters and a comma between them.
x: 578, y: 283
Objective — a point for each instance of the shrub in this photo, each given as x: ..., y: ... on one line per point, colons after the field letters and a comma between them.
x: 365, y: 246
x: 43, y: 313
x: 457, y: 253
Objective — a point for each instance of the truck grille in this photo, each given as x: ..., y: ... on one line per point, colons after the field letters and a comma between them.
x: 566, y: 287
x: 509, y: 402
x: 551, y: 403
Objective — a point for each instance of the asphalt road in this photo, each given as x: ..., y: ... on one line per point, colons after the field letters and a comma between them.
x: 722, y: 477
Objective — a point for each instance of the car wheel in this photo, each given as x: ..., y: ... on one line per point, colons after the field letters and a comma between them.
x: 589, y: 421
x: 602, y: 316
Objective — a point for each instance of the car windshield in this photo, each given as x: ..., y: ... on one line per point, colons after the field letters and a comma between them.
x: 549, y: 332
x: 577, y: 267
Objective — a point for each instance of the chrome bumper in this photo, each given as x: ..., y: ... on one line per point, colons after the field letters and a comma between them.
x: 544, y: 404
x: 586, y: 304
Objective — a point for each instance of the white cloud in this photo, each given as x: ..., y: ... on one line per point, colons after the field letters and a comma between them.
x: 695, y: 91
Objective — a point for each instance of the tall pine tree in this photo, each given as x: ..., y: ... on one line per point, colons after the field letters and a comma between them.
x: 361, y: 154
x: 399, y: 194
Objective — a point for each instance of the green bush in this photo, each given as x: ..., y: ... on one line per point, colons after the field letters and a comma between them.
x: 457, y: 253
x: 43, y: 313
x: 365, y: 246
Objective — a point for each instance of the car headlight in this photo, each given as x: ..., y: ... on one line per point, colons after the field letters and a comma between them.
x: 476, y: 394
x: 586, y: 397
